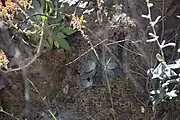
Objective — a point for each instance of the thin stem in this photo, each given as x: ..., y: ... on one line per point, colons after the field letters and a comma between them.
x: 153, y: 28
x: 1, y: 110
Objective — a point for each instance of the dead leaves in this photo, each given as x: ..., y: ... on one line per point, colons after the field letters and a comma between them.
x: 9, y: 9
x: 77, y: 22
x: 3, y: 60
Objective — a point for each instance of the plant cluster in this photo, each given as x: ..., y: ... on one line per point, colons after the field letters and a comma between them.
x: 165, y: 78
x: 31, y: 17
x: 108, y: 67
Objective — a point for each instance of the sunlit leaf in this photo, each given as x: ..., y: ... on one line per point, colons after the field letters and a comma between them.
x: 56, y: 44
x: 44, y: 18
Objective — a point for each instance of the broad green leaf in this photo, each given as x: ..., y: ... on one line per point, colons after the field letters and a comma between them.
x: 60, y: 35
x: 64, y: 44
x: 54, y: 36
x: 68, y: 30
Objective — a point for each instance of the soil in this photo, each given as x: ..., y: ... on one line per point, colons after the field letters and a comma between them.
x: 56, y: 87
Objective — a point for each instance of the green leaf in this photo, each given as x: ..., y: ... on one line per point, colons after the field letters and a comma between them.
x: 60, y: 27
x: 56, y: 44
x: 55, y: 30
x: 36, y: 5
x: 54, y: 36
x: 60, y: 35
x: 50, y: 8
x: 64, y: 44
x: 68, y: 30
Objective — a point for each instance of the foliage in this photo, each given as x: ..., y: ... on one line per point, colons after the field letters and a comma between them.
x: 91, y: 66
x: 37, y: 12
x: 164, y: 77
x: 167, y: 79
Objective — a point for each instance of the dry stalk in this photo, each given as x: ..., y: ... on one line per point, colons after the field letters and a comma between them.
x: 11, y: 115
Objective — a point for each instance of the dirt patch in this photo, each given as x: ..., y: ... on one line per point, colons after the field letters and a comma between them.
x: 59, y: 86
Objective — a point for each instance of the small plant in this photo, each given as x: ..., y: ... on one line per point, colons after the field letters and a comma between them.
x: 29, y: 17
x: 109, y: 67
x: 57, y: 27
x: 164, y: 78
x: 89, y: 71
